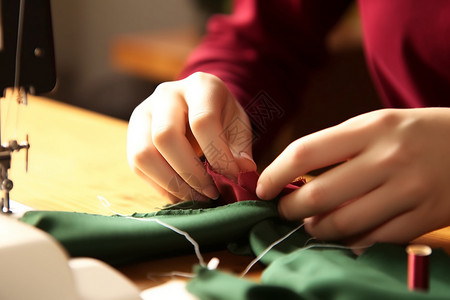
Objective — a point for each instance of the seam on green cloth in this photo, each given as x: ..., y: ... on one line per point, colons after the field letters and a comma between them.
x: 119, y: 238
x: 188, y: 211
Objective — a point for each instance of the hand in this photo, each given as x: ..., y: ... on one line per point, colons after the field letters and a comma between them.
x: 392, y: 184
x: 179, y: 122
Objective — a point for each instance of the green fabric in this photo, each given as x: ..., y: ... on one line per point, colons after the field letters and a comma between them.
x: 212, y: 284
x: 293, y: 271
x: 118, y: 239
x: 323, y: 273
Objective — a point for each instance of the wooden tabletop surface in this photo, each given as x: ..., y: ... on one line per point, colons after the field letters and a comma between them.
x: 75, y: 156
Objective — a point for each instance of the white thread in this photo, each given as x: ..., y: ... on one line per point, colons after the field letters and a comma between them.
x: 335, y: 246
x: 308, y: 240
x: 261, y: 255
x: 107, y: 205
x: 258, y: 258
x: 171, y: 274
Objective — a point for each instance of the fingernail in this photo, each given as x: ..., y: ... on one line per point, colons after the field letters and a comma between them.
x: 212, y: 192
x: 245, y: 155
x: 199, y: 197
x: 307, y: 221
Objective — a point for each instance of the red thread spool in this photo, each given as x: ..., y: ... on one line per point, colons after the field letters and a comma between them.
x: 418, y: 277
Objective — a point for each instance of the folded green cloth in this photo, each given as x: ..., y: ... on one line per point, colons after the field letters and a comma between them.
x: 120, y: 239
x: 293, y: 272
x: 322, y: 272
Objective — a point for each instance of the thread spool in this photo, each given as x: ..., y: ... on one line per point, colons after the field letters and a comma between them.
x: 418, y: 268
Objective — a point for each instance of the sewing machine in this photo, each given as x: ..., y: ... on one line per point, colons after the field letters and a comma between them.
x: 33, y: 264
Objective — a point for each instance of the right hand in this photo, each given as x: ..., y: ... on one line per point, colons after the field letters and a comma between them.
x: 178, y: 123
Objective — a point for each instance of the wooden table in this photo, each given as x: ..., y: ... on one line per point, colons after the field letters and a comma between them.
x: 77, y: 155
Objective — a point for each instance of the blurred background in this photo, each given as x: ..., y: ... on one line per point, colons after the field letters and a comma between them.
x: 86, y: 32
x: 111, y: 54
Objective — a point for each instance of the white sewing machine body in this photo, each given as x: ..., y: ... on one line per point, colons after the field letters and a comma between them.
x: 35, y: 266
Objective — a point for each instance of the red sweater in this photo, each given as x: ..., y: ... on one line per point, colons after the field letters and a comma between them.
x: 272, y: 45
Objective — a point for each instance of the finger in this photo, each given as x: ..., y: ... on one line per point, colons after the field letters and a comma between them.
x: 407, y: 226
x: 208, y: 103
x: 324, y: 148
x: 146, y: 161
x: 363, y: 214
x: 169, y: 120
x: 156, y: 187
x: 239, y: 135
x: 169, y: 180
x: 245, y: 162
x: 215, y: 149
x: 399, y: 230
x: 333, y: 188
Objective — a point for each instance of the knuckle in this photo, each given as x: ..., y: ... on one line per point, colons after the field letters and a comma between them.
x: 164, y: 88
x: 201, y: 120
x: 203, y: 85
x: 397, y: 154
x: 414, y: 188
x: 139, y: 157
x: 198, y: 76
x: 313, y: 195
x: 163, y: 136
x: 203, y: 77
x: 299, y: 150
x: 341, y: 226
x: 386, y: 118
x: 391, y: 157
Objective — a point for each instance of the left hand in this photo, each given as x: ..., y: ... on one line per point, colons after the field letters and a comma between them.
x: 392, y: 184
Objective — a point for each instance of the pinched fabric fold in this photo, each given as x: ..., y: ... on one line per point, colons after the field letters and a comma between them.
x: 244, y: 187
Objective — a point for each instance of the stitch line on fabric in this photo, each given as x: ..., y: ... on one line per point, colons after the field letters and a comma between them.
x: 188, y: 237
x: 177, y: 212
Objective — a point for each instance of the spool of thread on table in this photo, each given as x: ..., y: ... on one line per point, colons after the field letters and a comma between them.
x: 418, y: 268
